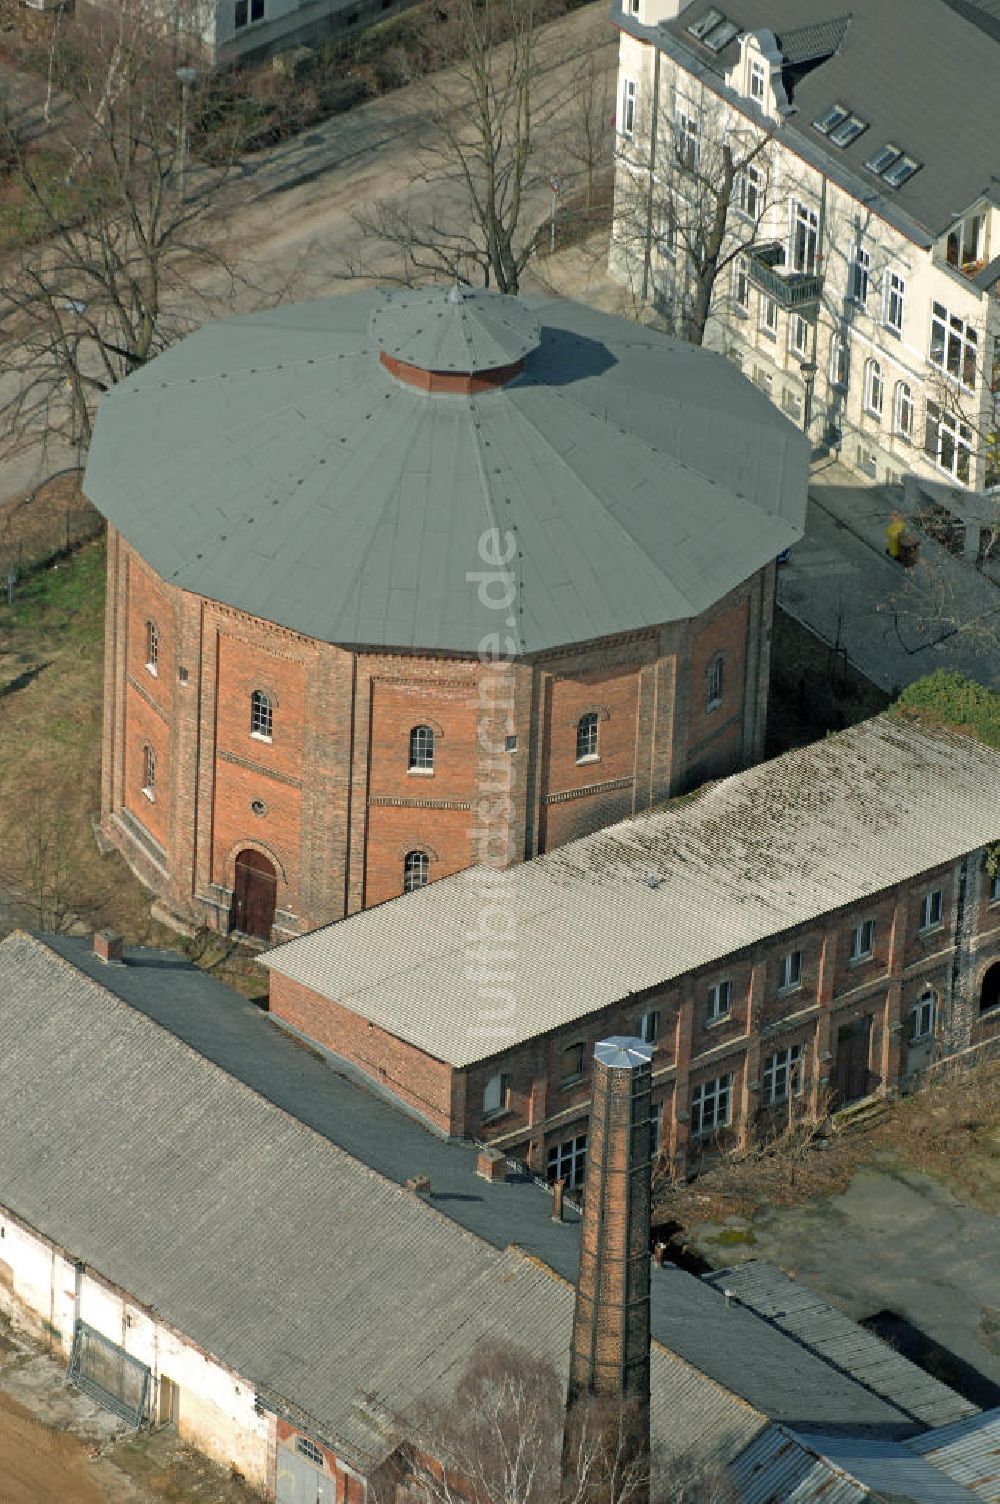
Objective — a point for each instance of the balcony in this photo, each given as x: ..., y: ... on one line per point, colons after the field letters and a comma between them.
x: 789, y: 289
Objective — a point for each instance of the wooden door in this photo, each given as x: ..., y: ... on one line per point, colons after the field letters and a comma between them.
x: 254, y: 895
x: 853, y: 1076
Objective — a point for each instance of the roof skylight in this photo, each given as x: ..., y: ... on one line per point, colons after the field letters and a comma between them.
x: 900, y: 171
x: 834, y: 116
x: 880, y: 160
x: 849, y: 130
x: 720, y: 36
x: 705, y: 23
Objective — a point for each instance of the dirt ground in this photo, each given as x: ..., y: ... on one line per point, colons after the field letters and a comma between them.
x: 58, y: 1447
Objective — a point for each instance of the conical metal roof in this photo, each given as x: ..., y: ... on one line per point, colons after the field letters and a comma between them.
x: 273, y: 463
x: 463, y: 329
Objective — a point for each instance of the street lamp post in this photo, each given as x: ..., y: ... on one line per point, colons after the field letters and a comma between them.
x: 808, y: 369
x: 185, y: 77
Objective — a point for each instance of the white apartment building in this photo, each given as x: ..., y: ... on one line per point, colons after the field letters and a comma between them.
x: 859, y: 247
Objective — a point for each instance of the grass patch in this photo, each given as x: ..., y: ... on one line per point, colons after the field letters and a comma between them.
x: 950, y: 699
x: 50, y: 756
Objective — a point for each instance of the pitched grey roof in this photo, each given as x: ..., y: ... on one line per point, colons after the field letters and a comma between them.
x: 819, y: 1326
x: 640, y: 903
x: 462, y: 329
x: 804, y: 44
x: 900, y: 67
x: 271, y: 462
x: 297, y: 1266
x: 803, y: 1468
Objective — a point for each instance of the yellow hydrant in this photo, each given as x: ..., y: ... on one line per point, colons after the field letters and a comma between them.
x: 893, y: 534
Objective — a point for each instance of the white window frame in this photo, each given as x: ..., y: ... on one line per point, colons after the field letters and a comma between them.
x: 894, y: 302
x: 261, y: 716
x: 954, y: 346
x: 666, y: 240
x: 805, y: 222
x: 768, y: 320
x: 840, y: 362
x: 862, y: 939
x: 687, y: 136
x: 861, y: 271
x: 782, y: 1077
x: 712, y: 1105
x: 758, y: 80
x: 798, y: 334
x: 149, y: 772
x: 420, y: 749
x: 932, y: 910
x: 588, y: 738
x: 567, y: 1160
x: 720, y: 1000
x: 790, y: 971
x: 903, y: 411
x: 750, y: 192
x: 741, y: 283
x: 418, y: 867
x: 496, y: 1095
x: 874, y: 388
x: 152, y: 647
x: 648, y: 1027
x: 630, y: 91
x: 923, y: 1016
x: 951, y: 435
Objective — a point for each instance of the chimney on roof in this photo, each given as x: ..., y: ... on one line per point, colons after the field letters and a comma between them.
x: 608, y: 1394
x: 108, y: 947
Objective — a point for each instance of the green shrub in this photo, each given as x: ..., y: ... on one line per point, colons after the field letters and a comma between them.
x: 950, y: 699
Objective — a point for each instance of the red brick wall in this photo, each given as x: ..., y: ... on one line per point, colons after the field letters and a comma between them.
x: 143, y: 726
x: 350, y: 1489
x: 418, y: 1079
x: 613, y: 693
x: 714, y: 737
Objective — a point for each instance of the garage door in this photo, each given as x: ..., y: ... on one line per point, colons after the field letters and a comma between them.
x: 301, y: 1479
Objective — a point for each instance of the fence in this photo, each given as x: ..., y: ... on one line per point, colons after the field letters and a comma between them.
x: 110, y: 1375
x: 44, y: 524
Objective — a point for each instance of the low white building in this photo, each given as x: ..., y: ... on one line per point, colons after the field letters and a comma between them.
x: 859, y: 259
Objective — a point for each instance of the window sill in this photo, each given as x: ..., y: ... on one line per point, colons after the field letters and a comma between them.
x: 928, y: 931
x: 789, y: 989
x: 870, y: 412
x: 148, y: 794
x: 713, y: 705
x: 771, y: 334
x: 891, y: 329
x: 920, y: 1039
x: 860, y: 960
x: 568, y: 1082
x: 591, y: 757
x: 741, y: 312
x: 721, y: 1018
x: 258, y: 736
x: 420, y: 772
x: 153, y: 670
x: 497, y: 1115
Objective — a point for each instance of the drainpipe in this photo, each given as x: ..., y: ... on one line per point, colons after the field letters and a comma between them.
x: 647, y: 258
x: 820, y: 261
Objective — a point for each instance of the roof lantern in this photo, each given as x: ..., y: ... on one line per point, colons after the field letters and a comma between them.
x: 456, y: 332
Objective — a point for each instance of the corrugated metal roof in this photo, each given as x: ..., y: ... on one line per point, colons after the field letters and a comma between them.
x: 640, y: 903
x: 796, y: 1309
x: 271, y: 462
x: 457, y: 329
x: 900, y: 66
x: 969, y: 1451
x: 293, y: 1263
x: 782, y: 1467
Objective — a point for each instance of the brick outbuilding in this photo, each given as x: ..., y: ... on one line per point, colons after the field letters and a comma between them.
x: 814, y: 931
x: 404, y: 583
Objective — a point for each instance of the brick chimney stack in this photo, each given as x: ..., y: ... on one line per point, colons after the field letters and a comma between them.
x: 609, y: 1360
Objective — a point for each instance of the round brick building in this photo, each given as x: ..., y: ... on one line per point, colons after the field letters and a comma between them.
x: 399, y: 583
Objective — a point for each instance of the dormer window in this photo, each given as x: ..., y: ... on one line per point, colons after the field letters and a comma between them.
x: 965, y: 242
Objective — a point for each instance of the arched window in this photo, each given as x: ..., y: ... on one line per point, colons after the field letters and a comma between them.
x: 586, y: 736
x: 261, y: 715
x: 422, y: 750
x: 416, y: 871
x: 903, y: 410
x: 873, y: 387
x: 149, y: 772
x: 713, y: 683
x: 152, y: 646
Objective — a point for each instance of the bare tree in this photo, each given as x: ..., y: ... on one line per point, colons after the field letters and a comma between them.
x: 492, y: 119
x: 690, y: 199
x: 499, y: 1440
x: 586, y: 140
x: 115, y: 249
